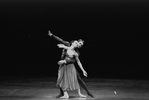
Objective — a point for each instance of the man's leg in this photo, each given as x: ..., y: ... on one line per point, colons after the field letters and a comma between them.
x: 61, y: 92
x: 83, y: 85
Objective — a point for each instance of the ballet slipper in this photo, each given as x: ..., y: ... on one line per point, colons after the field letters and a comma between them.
x: 66, y: 96
x: 82, y: 96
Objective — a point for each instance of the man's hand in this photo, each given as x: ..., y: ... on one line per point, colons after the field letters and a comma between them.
x: 50, y: 33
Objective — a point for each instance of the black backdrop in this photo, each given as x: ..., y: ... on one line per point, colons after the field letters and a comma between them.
x: 113, y: 31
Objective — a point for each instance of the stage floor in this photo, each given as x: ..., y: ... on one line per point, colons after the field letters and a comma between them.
x: 45, y: 89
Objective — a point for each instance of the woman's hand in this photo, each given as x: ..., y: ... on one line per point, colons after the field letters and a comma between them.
x: 61, y: 62
x: 84, y: 73
x: 62, y: 46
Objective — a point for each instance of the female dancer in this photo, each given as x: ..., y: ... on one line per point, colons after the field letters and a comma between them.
x: 67, y: 59
x: 67, y: 78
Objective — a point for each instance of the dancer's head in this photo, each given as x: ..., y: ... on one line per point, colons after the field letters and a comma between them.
x: 77, y: 44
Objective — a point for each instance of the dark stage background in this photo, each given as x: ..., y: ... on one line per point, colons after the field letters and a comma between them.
x: 113, y: 31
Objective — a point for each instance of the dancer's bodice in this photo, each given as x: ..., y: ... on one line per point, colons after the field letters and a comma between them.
x: 69, y: 56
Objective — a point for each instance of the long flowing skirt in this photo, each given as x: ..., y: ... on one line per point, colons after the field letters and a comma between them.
x: 67, y: 77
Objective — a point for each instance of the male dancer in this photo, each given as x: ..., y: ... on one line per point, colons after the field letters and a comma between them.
x: 81, y: 82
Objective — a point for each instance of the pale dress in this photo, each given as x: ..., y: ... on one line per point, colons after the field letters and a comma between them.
x: 67, y: 75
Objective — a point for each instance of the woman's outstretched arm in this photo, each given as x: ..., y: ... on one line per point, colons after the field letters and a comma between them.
x: 59, y: 39
x: 81, y: 67
x: 63, y: 46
